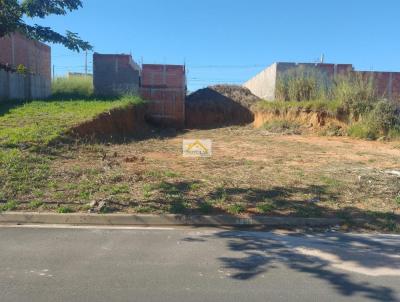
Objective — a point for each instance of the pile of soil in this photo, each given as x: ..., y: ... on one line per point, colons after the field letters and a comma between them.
x: 119, y: 122
x: 218, y: 106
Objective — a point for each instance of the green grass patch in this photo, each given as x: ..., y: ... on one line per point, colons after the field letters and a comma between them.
x: 147, y: 190
x: 363, y: 130
x: 35, y: 204
x: 265, y: 207
x: 143, y: 209
x: 171, y: 174
x: 40, y: 122
x: 64, y: 210
x: 206, y: 207
x: 194, y: 186
x: 236, y: 209
x: 394, y: 134
x: 120, y: 189
x: 161, y: 174
x: 9, y: 206
x: 22, y: 172
x: 177, y: 207
x: 332, y: 186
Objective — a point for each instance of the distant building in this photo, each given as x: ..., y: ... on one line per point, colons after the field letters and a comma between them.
x: 263, y: 85
x: 79, y: 74
x: 31, y: 57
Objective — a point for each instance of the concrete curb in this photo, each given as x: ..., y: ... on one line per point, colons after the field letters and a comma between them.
x: 160, y: 220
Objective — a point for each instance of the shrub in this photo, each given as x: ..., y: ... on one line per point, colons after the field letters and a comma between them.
x: 9, y: 206
x: 302, y: 84
x: 355, y: 93
x: 282, y: 126
x: 206, y: 207
x: 236, y: 208
x: 64, y: 210
x: 384, y: 116
x: 363, y: 130
x: 265, y: 207
x: 73, y: 87
x: 394, y: 133
x: 35, y: 204
x: 177, y: 207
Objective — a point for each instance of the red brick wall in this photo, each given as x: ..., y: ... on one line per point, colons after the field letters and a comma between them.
x: 396, y: 87
x: 386, y: 84
x: 171, y: 76
x: 17, y: 49
x: 165, y: 87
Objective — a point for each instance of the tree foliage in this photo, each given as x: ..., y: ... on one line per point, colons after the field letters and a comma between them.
x: 12, y: 13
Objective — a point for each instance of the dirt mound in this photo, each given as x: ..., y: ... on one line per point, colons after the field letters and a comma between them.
x: 120, y: 122
x: 219, y: 105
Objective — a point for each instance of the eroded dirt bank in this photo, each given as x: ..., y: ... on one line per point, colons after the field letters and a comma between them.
x: 306, y: 118
x: 120, y: 122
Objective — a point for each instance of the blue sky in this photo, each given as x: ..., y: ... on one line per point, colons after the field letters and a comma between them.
x: 228, y: 41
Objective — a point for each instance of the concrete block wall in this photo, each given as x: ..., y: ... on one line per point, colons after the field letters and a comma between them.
x: 23, y: 86
x: 263, y: 84
x: 115, y: 74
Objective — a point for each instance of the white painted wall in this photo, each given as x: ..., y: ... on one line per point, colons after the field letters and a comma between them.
x: 263, y: 84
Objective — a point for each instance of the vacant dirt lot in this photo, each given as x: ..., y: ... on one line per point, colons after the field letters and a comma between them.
x: 251, y: 172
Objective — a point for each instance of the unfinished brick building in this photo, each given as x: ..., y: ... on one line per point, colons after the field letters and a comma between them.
x: 115, y: 74
x: 17, y: 50
x: 386, y: 84
x: 164, y: 86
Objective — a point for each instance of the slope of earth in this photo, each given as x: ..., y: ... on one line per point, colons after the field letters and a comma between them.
x: 38, y: 123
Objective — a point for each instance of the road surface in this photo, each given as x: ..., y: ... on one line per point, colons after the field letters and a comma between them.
x: 189, y: 264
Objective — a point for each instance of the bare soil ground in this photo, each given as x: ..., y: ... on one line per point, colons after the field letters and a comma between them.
x: 251, y: 172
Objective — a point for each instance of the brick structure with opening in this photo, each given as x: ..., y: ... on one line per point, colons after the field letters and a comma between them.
x: 164, y: 86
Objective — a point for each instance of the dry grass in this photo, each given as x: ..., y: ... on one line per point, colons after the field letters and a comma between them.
x: 250, y: 172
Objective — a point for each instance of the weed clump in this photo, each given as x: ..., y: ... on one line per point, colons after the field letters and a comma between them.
x: 72, y: 87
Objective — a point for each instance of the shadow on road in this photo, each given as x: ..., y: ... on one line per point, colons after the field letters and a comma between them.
x: 329, y: 257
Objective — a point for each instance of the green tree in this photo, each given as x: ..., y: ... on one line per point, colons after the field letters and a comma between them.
x: 12, y: 13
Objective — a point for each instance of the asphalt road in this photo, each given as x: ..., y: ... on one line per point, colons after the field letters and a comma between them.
x: 94, y: 264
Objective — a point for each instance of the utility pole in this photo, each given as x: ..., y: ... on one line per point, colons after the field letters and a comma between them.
x: 54, y: 73
x: 86, y: 63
